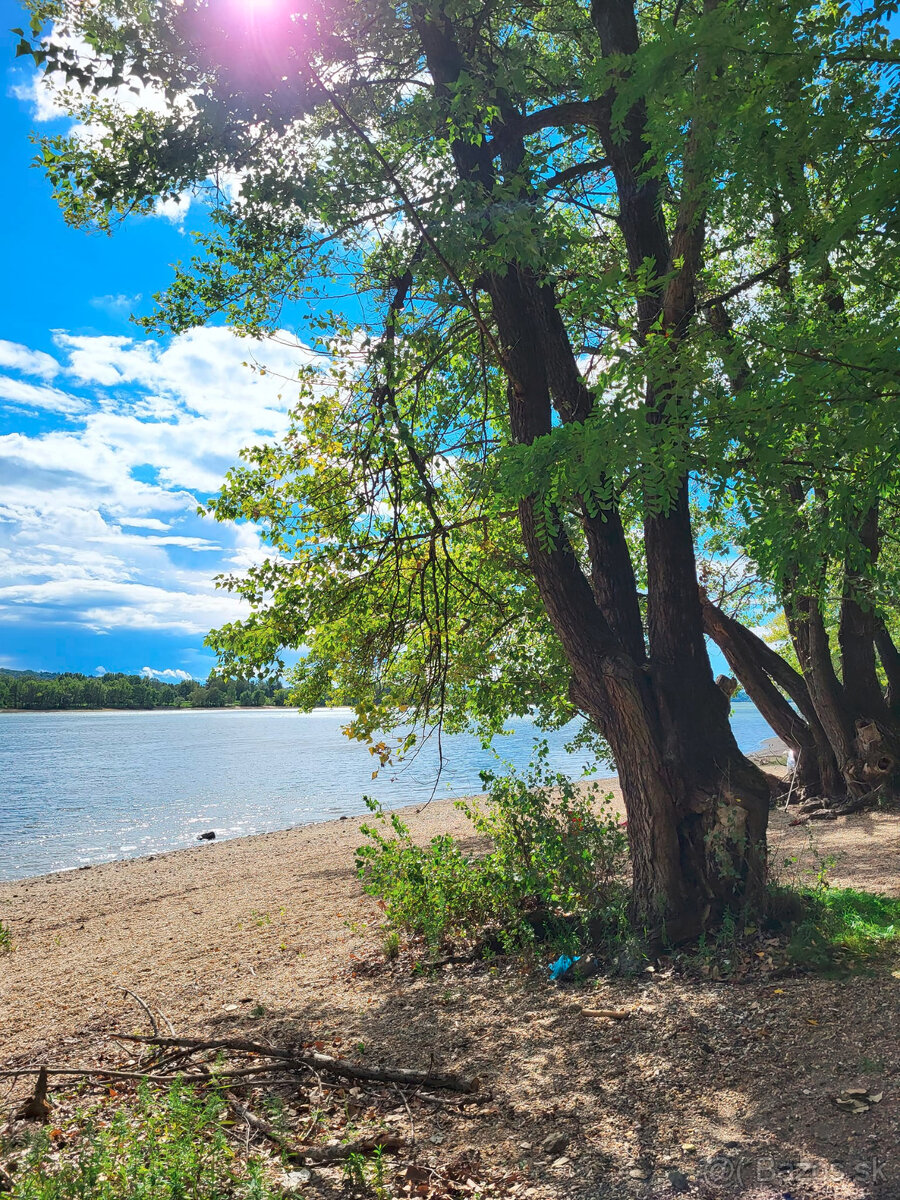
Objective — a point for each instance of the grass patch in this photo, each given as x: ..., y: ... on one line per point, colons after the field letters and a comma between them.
x: 166, y: 1145
x: 6, y: 942
x: 842, y: 929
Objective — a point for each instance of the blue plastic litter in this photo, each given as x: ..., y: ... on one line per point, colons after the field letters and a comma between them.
x: 562, y: 964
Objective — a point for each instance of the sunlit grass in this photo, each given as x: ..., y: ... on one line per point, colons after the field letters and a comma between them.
x: 160, y: 1145
x: 845, y: 929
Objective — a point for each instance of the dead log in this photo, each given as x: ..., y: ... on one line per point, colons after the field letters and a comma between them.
x: 389, y: 1142
x: 37, y: 1108
x: 341, y: 1067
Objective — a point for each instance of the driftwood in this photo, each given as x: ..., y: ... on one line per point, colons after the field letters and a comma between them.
x: 332, y: 1154
x: 36, y: 1108
x: 325, y: 1063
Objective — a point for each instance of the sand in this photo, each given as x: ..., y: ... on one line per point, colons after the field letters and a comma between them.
x: 267, y: 933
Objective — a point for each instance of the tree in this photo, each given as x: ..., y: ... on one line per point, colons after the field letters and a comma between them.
x: 812, y: 480
x: 529, y: 202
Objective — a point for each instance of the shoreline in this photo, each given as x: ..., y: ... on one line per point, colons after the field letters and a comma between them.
x: 187, y: 708
x: 770, y: 749
x: 269, y: 937
x: 437, y: 805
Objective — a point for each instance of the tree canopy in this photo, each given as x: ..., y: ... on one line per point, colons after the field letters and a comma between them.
x: 596, y: 262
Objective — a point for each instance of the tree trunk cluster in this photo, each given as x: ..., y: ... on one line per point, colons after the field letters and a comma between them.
x: 697, y: 808
x: 844, y: 731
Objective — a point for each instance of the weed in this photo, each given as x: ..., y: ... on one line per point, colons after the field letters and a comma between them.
x: 166, y: 1146
x: 6, y: 942
x: 843, y: 929
x: 355, y: 1170
x: 390, y: 944
x: 871, y: 1066
x: 367, y: 1174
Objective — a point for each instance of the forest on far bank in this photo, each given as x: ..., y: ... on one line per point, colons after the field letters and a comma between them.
x: 46, y: 691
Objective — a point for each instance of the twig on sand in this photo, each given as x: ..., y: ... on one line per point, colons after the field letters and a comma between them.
x: 325, y: 1063
x: 332, y: 1154
x: 146, y: 1007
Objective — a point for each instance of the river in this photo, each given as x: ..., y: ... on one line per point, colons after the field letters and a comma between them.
x: 78, y: 788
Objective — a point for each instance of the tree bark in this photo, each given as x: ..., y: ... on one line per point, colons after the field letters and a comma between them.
x: 890, y: 662
x: 856, y: 630
x: 696, y: 807
x: 756, y: 665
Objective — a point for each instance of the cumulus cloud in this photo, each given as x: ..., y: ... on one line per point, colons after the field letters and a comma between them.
x: 98, y: 519
x: 168, y: 675
x: 15, y: 357
x: 30, y: 395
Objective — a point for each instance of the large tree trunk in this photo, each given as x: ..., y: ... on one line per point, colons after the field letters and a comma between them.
x: 866, y: 746
x: 856, y: 630
x: 816, y: 773
x: 890, y: 662
x: 696, y: 807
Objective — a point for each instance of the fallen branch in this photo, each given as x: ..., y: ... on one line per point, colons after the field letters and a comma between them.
x: 263, y: 1127
x: 390, y: 1142
x: 347, y: 1070
x: 324, y: 1062
x: 145, y: 1006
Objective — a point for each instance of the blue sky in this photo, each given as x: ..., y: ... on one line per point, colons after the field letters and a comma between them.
x: 108, y: 438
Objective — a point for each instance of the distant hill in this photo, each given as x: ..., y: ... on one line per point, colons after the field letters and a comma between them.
x: 30, y: 674
x: 49, y: 690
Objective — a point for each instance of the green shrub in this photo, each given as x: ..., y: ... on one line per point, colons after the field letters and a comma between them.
x: 556, y: 850
x: 167, y: 1146
x: 6, y: 942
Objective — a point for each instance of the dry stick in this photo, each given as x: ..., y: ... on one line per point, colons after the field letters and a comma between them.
x: 146, y: 1007
x: 113, y: 1074
x: 315, y: 1154
x: 332, y: 1154
x: 263, y: 1127
x: 212, y: 1044
x: 325, y: 1063
x: 346, y: 1070
x: 412, y: 1128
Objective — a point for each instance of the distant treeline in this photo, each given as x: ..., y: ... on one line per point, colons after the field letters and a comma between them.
x: 43, y: 690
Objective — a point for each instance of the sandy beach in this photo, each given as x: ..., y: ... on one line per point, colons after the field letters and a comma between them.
x: 269, y: 934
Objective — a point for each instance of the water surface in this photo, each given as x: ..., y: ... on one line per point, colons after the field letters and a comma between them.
x: 84, y: 787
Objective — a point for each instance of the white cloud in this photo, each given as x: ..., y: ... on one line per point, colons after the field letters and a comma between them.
x: 29, y: 362
x: 145, y: 523
x: 98, y: 520
x: 100, y: 671
x: 43, y: 99
x: 168, y: 674
x: 18, y: 391
x: 119, y: 305
x: 173, y: 208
